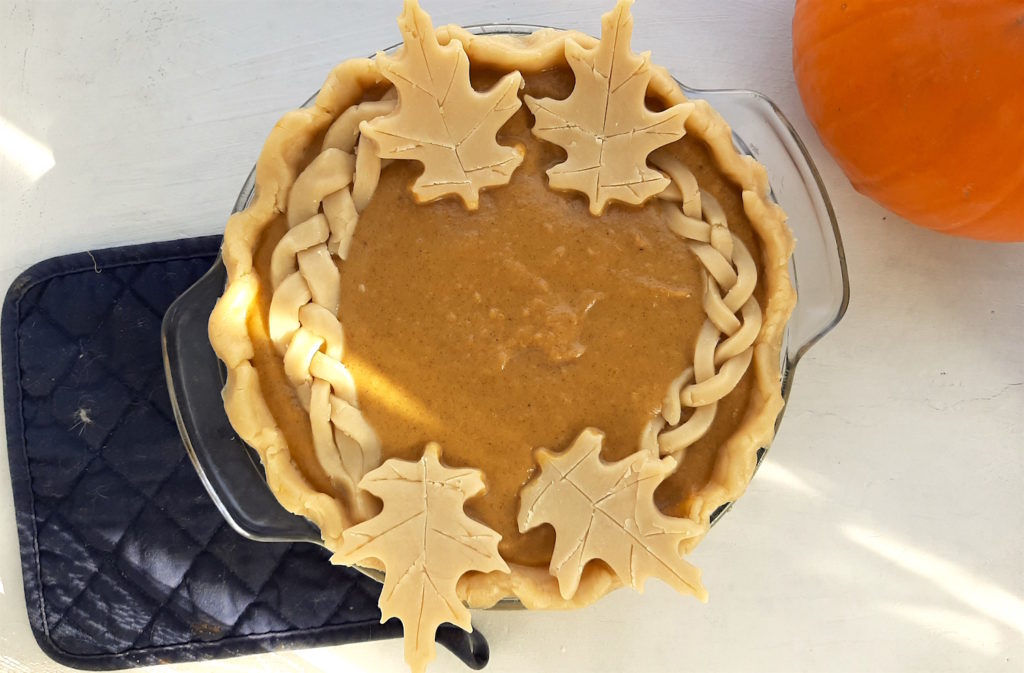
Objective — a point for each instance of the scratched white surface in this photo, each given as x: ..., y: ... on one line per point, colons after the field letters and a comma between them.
x: 883, y: 533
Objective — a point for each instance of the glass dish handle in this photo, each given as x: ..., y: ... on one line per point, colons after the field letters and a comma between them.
x: 818, y: 267
x: 228, y: 468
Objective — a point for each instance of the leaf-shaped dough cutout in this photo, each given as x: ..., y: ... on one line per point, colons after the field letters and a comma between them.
x: 426, y: 543
x: 604, y: 126
x: 606, y: 511
x: 441, y: 120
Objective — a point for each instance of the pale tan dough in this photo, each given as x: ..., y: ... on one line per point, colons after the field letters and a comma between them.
x: 606, y: 511
x: 604, y: 126
x: 729, y: 265
x: 425, y: 542
x: 327, y: 391
x: 440, y: 119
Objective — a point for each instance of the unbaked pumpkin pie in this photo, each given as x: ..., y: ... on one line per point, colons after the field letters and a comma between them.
x: 504, y: 318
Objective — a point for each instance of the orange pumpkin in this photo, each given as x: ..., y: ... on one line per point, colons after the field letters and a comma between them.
x: 922, y: 104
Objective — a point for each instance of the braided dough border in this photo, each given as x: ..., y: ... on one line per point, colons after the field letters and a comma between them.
x: 279, y: 165
x: 303, y: 322
x: 727, y: 264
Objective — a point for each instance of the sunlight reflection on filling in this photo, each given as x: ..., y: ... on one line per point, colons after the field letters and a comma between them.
x: 30, y: 156
x: 385, y: 392
x: 980, y: 594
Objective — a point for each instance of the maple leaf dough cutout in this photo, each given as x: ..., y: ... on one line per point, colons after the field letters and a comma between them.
x: 604, y: 125
x: 426, y: 543
x: 441, y: 120
x: 606, y: 511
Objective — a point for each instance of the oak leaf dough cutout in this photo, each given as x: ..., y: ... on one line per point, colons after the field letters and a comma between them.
x: 441, y: 120
x: 604, y: 125
x: 606, y: 511
x: 426, y: 543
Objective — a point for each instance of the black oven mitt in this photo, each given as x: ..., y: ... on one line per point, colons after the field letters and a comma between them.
x: 126, y: 560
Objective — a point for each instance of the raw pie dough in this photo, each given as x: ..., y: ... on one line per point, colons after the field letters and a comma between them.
x: 317, y: 392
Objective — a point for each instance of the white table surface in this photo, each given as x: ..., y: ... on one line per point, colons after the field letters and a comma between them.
x: 884, y: 532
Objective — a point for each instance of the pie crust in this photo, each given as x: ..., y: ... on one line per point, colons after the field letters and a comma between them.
x: 296, y: 178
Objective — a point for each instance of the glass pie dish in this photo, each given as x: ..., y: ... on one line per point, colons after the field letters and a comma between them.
x: 232, y: 473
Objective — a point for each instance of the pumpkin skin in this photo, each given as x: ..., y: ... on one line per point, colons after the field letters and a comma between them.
x: 921, y: 102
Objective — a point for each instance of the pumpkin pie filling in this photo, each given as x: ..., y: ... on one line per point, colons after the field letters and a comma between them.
x: 503, y: 319
x: 515, y: 326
